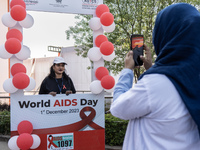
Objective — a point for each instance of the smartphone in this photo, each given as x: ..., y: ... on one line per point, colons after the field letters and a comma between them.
x: 137, y: 46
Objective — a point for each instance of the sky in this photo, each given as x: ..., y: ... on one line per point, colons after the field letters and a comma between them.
x: 48, y: 30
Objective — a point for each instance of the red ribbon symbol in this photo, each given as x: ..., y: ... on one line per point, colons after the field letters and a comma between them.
x: 90, y: 117
x: 64, y: 87
x: 86, y: 120
x: 51, y: 142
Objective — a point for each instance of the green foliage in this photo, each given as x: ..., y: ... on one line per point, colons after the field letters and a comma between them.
x: 4, y: 106
x: 115, y: 129
x: 131, y: 17
x: 4, y: 122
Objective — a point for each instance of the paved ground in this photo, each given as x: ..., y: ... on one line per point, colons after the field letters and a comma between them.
x: 4, y: 145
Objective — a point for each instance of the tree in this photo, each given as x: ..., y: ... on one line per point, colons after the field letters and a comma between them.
x: 131, y: 17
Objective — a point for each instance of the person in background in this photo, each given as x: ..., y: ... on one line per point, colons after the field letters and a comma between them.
x: 163, y: 108
x: 57, y: 82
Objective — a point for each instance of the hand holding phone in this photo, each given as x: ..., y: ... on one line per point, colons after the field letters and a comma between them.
x: 137, y: 45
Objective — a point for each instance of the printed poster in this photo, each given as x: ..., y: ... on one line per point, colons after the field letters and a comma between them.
x: 74, y: 122
x: 64, y: 6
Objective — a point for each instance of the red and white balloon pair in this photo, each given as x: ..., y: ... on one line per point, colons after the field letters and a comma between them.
x: 105, y: 81
x: 104, y: 19
x: 17, y: 14
x: 25, y: 140
x: 14, y: 46
x: 19, y: 81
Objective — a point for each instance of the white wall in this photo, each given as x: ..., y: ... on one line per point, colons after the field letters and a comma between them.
x: 76, y: 68
x: 38, y: 70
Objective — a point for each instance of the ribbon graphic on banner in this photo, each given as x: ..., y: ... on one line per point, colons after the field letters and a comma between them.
x: 51, y: 142
x: 86, y: 120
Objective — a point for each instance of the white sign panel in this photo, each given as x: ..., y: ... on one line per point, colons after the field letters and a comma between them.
x: 62, y: 121
x: 64, y: 6
x: 46, y: 111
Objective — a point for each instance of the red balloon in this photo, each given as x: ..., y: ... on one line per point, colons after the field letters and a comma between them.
x: 106, y: 19
x: 24, y: 141
x: 25, y: 127
x: 107, y: 82
x: 101, y: 9
x: 17, y: 68
x: 100, y: 39
x: 17, y: 2
x: 107, y: 48
x: 14, y: 33
x: 13, y: 45
x: 101, y: 72
x: 18, y: 12
x: 21, y: 80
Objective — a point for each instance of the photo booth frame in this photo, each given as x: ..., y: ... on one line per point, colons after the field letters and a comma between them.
x: 62, y: 122
x: 74, y: 121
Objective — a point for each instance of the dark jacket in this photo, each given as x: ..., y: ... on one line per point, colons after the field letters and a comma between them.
x: 50, y: 84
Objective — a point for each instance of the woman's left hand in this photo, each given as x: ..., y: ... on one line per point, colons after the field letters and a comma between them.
x: 68, y: 92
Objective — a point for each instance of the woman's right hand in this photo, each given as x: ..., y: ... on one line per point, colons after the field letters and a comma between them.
x: 53, y: 93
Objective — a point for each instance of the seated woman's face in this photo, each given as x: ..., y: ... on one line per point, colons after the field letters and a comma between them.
x: 59, y: 68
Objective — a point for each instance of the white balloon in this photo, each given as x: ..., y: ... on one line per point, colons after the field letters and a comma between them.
x: 94, y: 54
x: 27, y: 22
x: 24, y: 53
x: 31, y: 85
x: 12, y: 143
x: 109, y: 57
x: 110, y: 28
x: 95, y: 87
x: 7, y: 20
x: 36, y: 141
x: 95, y: 23
x: 4, y: 53
x: 8, y: 86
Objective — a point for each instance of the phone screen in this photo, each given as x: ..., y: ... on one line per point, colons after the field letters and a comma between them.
x: 137, y: 45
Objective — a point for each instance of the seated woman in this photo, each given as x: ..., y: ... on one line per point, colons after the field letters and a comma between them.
x: 57, y: 82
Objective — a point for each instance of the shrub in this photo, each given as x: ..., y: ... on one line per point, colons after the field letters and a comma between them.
x: 4, y: 122
x: 4, y: 106
x: 115, y: 129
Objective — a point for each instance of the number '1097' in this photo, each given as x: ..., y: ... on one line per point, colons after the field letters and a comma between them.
x: 66, y: 143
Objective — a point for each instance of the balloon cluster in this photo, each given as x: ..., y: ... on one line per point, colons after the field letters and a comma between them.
x: 25, y: 140
x: 104, y: 19
x: 14, y: 46
x: 102, y: 49
x: 105, y: 81
x: 17, y: 14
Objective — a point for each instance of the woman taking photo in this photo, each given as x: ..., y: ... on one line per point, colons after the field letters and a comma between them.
x: 57, y: 82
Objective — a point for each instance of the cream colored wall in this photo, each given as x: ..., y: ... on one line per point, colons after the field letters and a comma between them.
x: 39, y: 70
x: 76, y: 68
x: 3, y: 62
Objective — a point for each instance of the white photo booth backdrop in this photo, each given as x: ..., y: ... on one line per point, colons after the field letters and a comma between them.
x: 13, y: 49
